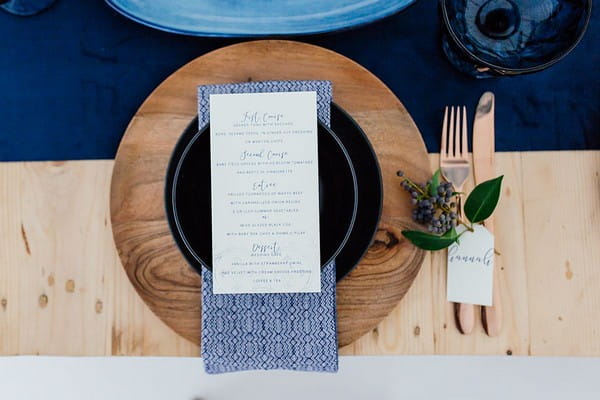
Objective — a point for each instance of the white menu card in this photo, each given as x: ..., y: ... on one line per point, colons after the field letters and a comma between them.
x: 265, y: 193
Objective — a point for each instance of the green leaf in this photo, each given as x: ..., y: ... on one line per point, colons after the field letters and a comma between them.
x: 427, y: 241
x: 451, y: 233
x: 483, y: 200
x: 435, y: 183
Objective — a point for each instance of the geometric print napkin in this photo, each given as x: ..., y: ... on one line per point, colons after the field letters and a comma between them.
x: 294, y: 331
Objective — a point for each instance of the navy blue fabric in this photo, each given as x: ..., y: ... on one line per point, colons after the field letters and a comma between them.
x: 72, y: 77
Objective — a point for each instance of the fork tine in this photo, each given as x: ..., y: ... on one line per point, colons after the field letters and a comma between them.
x: 444, y: 132
x: 457, y: 133
x: 465, y: 143
x: 451, y: 133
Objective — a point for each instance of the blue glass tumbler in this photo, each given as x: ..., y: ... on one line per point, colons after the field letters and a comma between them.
x: 486, y: 38
x: 25, y: 8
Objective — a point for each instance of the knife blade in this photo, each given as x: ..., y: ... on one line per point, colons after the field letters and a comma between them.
x: 484, y: 169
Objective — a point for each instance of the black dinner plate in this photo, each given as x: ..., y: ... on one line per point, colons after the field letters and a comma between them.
x: 370, y: 189
x: 349, y: 198
x: 189, y: 201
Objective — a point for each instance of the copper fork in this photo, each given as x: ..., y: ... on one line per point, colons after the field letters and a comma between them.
x: 455, y: 167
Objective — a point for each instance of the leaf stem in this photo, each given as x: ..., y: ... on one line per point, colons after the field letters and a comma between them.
x: 414, y: 185
x: 466, y: 224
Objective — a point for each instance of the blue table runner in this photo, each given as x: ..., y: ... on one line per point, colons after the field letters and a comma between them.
x: 72, y: 77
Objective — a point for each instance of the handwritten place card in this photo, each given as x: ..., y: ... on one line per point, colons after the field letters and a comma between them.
x: 265, y: 193
x: 471, y: 267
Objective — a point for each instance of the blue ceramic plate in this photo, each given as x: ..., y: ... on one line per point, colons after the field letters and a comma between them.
x: 232, y: 18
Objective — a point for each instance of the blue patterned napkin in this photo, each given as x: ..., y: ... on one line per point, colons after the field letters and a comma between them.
x: 296, y: 331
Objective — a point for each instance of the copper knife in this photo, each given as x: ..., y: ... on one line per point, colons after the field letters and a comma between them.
x: 484, y: 169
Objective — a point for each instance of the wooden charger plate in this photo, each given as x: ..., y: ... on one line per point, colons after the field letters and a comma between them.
x: 158, y: 271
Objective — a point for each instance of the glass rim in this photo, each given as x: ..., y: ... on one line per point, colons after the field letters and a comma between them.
x: 500, y: 69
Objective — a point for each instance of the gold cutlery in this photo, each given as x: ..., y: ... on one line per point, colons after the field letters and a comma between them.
x: 484, y: 169
x: 455, y: 167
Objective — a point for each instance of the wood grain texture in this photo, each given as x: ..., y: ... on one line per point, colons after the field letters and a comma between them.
x: 62, y: 288
x: 154, y: 265
x: 55, y: 228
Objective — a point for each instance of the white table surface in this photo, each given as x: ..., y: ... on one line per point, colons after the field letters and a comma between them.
x: 382, y: 378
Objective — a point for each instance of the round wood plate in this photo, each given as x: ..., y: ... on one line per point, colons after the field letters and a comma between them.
x: 158, y: 271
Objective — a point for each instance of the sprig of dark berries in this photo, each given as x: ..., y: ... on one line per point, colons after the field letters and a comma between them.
x: 435, y: 203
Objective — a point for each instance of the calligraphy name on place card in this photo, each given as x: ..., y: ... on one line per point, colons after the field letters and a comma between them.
x: 471, y: 267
